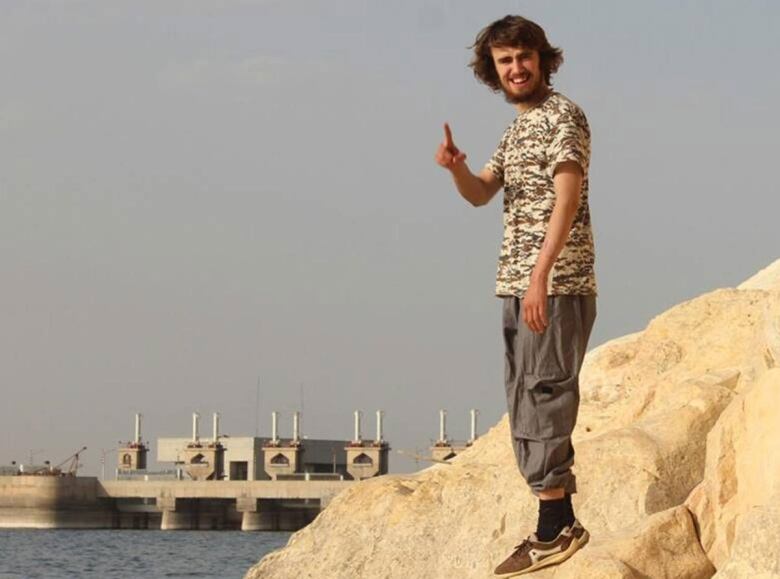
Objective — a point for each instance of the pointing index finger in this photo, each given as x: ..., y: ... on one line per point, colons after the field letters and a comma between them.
x: 448, y: 137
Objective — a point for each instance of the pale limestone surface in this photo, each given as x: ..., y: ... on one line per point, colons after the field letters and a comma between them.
x: 652, y: 403
x: 742, y: 469
x: 663, y: 546
x: 651, y: 465
x: 766, y: 279
x: 756, y: 549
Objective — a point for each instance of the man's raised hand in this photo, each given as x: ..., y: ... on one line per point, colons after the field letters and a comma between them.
x: 448, y: 155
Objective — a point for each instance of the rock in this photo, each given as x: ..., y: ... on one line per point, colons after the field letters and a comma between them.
x: 461, y: 520
x: 653, y: 464
x: 694, y: 397
x: 766, y: 279
x: 443, y: 520
x: 723, y: 333
x: 755, y: 552
x: 663, y: 546
x: 742, y: 468
x: 725, y: 330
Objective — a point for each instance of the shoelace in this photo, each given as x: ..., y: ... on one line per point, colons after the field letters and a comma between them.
x: 521, y: 548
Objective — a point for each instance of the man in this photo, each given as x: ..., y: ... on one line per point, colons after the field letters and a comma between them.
x: 545, y: 270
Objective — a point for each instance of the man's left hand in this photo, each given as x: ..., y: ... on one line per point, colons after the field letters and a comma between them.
x: 535, y: 307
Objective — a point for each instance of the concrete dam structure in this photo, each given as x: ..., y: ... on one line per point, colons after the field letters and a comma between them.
x: 220, y: 482
x: 248, y: 483
x: 67, y: 502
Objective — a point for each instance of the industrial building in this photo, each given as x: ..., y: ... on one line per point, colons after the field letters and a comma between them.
x: 254, y: 458
x: 220, y: 482
x: 446, y: 448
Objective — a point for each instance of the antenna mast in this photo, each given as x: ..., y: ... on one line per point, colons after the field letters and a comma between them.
x: 257, y: 408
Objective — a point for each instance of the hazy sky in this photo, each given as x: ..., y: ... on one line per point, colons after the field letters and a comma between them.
x: 196, y: 194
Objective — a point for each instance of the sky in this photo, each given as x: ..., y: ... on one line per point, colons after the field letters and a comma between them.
x: 197, y: 197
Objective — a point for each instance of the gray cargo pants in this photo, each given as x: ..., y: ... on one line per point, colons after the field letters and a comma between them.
x: 542, y: 387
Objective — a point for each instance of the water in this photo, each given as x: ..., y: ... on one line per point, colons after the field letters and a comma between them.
x: 109, y: 554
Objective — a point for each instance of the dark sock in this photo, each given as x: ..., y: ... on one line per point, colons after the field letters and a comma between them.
x: 569, y: 520
x: 554, y: 515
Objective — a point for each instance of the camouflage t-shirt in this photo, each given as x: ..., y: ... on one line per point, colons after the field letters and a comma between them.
x: 540, y: 138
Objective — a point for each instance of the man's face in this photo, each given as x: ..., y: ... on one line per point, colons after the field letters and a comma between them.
x: 520, y: 73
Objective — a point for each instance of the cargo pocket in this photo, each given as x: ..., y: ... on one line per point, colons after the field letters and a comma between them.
x: 550, y: 396
x: 548, y: 406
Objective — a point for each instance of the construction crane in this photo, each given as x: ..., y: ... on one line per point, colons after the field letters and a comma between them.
x: 71, y: 470
x: 73, y: 464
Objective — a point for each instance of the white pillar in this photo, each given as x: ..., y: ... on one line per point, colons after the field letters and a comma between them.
x: 357, y: 427
x: 474, y: 413
x: 442, y: 426
x: 274, y: 425
x: 296, y: 426
x: 195, y: 435
x: 216, y: 427
x: 379, y: 414
x: 138, y: 429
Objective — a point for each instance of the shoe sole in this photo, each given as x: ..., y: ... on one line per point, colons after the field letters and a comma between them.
x: 575, y: 546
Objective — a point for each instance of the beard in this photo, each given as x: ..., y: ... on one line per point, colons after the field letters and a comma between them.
x: 531, y: 95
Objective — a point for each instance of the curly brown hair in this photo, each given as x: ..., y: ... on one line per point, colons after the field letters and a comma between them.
x: 513, y: 31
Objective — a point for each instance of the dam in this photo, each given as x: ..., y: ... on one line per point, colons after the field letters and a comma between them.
x: 217, y: 483
x: 221, y: 482
x: 67, y: 502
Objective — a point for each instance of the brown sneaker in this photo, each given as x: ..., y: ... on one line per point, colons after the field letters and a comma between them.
x: 533, y: 554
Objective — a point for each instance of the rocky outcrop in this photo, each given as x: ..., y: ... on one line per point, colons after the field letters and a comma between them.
x: 755, y: 552
x: 678, y: 467
x: 742, y: 473
x: 662, y: 546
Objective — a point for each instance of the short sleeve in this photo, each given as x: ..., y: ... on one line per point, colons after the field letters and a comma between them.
x: 496, y: 163
x: 570, y: 140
